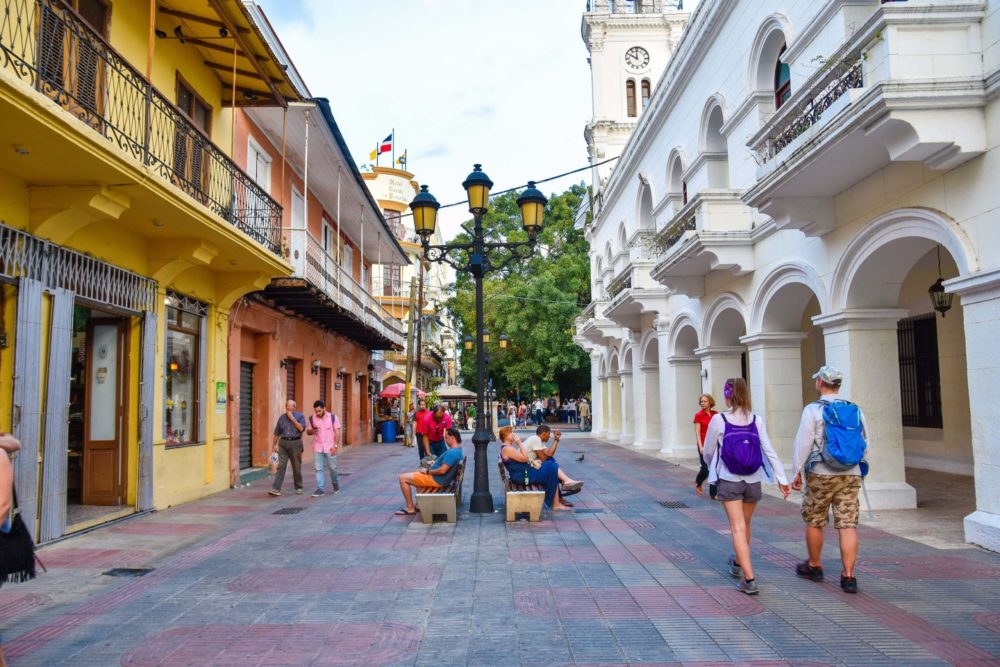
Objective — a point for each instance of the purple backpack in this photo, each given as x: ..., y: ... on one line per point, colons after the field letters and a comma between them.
x: 741, y: 448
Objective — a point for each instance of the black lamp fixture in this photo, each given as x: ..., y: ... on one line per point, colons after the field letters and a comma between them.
x: 939, y: 298
x: 314, y: 369
x: 285, y: 362
x: 478, y: 256
x: 341, y: 372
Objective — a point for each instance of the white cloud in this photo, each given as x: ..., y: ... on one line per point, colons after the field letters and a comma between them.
x: 505, y: 84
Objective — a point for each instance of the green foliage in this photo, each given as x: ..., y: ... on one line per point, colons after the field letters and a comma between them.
x: 534, y: 302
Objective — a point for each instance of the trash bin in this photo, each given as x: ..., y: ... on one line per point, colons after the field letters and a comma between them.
x: 389, y: 431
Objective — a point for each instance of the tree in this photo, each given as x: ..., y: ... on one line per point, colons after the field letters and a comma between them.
x: 534, y: 302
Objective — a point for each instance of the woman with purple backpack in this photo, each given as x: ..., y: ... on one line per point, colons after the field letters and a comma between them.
x: 741, y: 457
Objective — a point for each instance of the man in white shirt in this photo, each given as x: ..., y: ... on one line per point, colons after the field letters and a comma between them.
x: 538, y: 450
x: 826, y: 487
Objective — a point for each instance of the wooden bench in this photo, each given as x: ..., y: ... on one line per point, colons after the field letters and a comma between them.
x: 435, y: 500
x: 521, y: 499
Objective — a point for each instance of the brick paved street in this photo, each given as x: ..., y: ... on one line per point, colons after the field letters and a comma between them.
x: 623, y: 579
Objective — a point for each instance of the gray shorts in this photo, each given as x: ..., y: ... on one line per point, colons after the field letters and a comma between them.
x: 748, y: 493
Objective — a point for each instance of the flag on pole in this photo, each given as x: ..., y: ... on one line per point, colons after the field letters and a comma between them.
x: 384, y: 147
x: 401, y: 160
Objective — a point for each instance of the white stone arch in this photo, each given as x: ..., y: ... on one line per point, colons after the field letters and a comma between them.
x: 716, y: 314
x: 644, y: 204
x: 713, y: 103
x: 648, y: 357
x: 607, y: 254
x: 772, y: 36
x: 676, y: 166
x: 681, y: 323
x: 614, y: 363
x: 911, y: 232
x: 622, y: 235
x: 790, y: 273
x: 603, y: 365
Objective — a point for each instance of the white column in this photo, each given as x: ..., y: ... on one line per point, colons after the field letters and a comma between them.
x: 648, y: 411
x: 980, y: 296
x: 665, y: 380
x: 637, y: 406
x: 596, y: 393
x: 681, y: 394
x: 776, y: 385
x: 614, y: 407
x: 720, y: 363
x: 862, y: 343
x: 627, y: 411
x: 601, y: 427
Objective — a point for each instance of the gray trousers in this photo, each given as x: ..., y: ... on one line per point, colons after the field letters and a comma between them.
x: 289, y: 450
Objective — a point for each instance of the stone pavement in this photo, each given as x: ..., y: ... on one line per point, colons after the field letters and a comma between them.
x: 622, y: 579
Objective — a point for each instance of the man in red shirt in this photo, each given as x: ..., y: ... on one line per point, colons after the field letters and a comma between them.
x: 435, y: 425
x: 418, y: 427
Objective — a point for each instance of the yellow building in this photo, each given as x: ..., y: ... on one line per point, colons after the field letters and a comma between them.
x: 126, y: 234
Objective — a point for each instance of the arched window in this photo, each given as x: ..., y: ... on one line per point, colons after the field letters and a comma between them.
x: 645, y: 94
x: 630, y: 98
x: 684, y: 192
x: 782, y: 81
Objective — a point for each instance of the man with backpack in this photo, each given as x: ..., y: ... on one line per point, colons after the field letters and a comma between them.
x: 828, y: 455
x: 324, y: 427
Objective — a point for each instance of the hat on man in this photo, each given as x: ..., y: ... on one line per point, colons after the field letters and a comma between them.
x: 829, y: 375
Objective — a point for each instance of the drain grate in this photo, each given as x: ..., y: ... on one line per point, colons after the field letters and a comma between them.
x: 343, y: 474
x: 589, y: 511
x: 674, y: 504
x: 288, y: 510
x: 129, y: 571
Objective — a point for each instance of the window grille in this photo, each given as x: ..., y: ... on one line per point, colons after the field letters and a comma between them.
x: 919, y: 371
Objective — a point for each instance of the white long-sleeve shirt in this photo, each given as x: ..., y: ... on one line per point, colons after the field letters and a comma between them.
x: 717, y: 467
x: 812, y: 436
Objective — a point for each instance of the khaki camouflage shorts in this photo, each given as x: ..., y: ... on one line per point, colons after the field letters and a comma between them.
x: 840, y: 491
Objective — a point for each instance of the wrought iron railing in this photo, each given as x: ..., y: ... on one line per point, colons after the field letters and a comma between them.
x: 628, y: 6
x: 323, y: 271
x: 673, y: 232
x: 619, y: 285
x: 806, y: 113
x: 45, y: 43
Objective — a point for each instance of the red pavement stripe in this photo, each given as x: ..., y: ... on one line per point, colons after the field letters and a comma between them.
x: 165, y: 528
x: 36, y: 638
x: 936, y: 640
x: 12, y: 606
x: 80, y: 558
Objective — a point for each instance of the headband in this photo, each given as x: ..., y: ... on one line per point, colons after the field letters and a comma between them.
x: 727, y: 390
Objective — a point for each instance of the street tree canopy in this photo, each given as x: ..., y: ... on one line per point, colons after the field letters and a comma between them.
x: 534, y: 302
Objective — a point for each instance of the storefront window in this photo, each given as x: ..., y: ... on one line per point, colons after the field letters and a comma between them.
x: 181, y: 373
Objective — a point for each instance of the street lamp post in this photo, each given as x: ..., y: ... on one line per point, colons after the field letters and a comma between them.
x: 478, y: 257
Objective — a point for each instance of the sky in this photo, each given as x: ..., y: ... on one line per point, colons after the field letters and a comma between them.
x: 505, y: 84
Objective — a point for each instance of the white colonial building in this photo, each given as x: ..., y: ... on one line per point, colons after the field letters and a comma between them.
x: 803, y: 173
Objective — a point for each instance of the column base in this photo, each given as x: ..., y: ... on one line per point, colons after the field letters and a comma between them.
x: 603, y: 435
x: 680, y: 452
x: 889, y: 496
x: 983, y: 528
x: 626, y: 439
x: 648, y: 443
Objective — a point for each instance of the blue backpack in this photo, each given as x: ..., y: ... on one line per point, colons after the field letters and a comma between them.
x: 741, y: 448
x: 845, y: 444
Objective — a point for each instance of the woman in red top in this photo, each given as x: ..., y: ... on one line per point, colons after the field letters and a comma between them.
x: 701, y: 419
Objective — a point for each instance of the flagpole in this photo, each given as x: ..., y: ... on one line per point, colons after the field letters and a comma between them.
x: 393, y: 135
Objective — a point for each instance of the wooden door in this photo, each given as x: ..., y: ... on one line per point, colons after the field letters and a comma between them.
x: 104, y: 418
x: 246, y: 415
x: 345, y: 409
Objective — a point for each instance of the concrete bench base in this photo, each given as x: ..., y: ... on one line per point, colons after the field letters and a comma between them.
x: 431, y: 504
x: 525, y: 502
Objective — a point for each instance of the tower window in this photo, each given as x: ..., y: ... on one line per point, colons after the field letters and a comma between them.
x: 630, y: 99
x: 645, y: 94
x: 782, y: 81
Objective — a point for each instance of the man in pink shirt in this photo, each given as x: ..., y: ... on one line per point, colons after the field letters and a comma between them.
x: 436, y: 422
x: 324, y: 427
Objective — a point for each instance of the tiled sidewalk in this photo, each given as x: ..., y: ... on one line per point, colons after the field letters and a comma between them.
x: 623, y: 579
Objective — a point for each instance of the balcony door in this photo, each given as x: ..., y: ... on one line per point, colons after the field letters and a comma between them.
x: 105, y: 411
x: 191, y: 141
x: 298, y: 232
x: 71, y: 58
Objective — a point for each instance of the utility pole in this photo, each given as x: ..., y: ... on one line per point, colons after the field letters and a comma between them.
x: 420, y: 322
x: 409, y: 364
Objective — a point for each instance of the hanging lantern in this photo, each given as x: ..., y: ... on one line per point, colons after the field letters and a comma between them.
x: 940, y: 299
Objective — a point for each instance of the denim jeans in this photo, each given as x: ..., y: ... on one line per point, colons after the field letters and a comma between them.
x: 323, y: 461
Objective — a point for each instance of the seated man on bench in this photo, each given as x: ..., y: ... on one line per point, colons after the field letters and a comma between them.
x: 440, y: 474
x: 539, y: 449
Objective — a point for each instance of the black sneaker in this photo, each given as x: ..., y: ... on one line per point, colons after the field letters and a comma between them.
x: 318, y: 492
x: 848, y: 584
x: 807, y: 571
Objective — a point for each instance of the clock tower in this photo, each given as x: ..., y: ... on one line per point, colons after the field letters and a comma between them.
x: 630, y: 43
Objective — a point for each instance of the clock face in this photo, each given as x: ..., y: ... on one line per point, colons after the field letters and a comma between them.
x: 636, y: 58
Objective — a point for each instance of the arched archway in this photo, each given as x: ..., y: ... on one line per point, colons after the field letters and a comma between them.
x: 714, y: 145
x: 772, y: 36
x: 614, y: 402
x: 644, y: 213
x: 681, y: 383
x: 650, y: 369
x: 904, y: 364
x: 724, y: 355
x: 676, y: 185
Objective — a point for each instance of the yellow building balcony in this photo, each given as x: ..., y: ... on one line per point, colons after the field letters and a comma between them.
x: 91, y: 134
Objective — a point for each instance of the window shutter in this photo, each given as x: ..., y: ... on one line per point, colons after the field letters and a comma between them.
x: 291, y: 365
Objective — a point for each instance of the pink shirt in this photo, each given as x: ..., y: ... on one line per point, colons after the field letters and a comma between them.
x: 433, y: 429
x: 325, y: 430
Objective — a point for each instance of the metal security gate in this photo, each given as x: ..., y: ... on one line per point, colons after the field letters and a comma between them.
x: 290, y: 367
x: 246, y: 415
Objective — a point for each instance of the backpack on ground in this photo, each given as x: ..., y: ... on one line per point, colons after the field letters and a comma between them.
x: 845, y: 443
x: 741, y: 448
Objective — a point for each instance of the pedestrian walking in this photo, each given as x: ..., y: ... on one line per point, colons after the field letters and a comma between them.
x: 538, y: 413
x: 324, y: 427
x: 584, y: 408
x: 829, y: 455
x: 741, y: 456
x: 701, y: 418
x: 17, y: 555
x: 418, y: 428
x: 571, y: 405
x: 288, y: 445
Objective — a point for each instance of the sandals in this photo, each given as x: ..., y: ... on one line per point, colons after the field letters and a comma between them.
x: 402, y: 512
x: 570, y: 489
